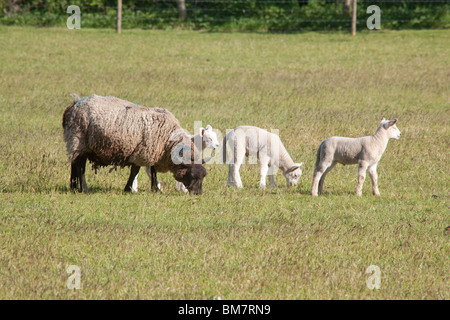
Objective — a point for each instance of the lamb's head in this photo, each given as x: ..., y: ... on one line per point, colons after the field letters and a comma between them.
x: 191, y: 175
x: 293, y: 174
x: 391, y: 128
x: 209, y: 138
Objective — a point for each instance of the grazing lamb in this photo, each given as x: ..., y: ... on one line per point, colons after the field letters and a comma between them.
x: 111, y: 131
x: 206, y: 138
x: 267, y: 147
x: 365, y: 151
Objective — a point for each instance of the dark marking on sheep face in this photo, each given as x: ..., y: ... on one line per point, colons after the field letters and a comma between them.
x: 191, y: 175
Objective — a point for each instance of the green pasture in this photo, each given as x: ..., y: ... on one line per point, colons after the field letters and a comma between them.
x: 278, y: 243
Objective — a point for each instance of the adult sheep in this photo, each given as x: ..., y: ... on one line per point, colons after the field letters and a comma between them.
x: 364, y: 151
x: 205, y: 139
x: 112, y: 131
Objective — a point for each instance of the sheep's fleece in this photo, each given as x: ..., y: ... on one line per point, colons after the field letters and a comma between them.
x: 112, y: 131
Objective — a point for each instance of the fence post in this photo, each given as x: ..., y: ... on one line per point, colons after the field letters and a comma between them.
x: 354, y: 18
x: 119, y: 16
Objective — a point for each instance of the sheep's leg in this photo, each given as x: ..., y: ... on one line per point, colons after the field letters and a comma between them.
x: 134, y: 186
x: 322, y: 179
x: 82, y: 174
x: 133, y: 173
x: 374, y: 176
x: 74, y: 178
x: 77, y: 178
x: 361, y: 177
x: 151, y: 173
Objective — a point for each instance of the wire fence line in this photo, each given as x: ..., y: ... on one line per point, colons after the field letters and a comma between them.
x: 250, y: 15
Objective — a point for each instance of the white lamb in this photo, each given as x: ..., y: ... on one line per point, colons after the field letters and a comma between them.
x: 365, y: 151
x: 267, y: 147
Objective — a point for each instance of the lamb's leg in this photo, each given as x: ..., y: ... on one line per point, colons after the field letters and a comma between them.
x: 374, y: 176
x: 322, y: 179
x: 361, y: 177
x: 234, y: 178
x: 264, y: 168
x: 133, y: 173
x: 318, y: 172
x: 272, y: 178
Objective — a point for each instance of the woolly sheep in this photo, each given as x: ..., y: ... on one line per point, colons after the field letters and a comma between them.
x: 267, y: 147
x: 111, y: 131
x: 206, y: 138
x: 365, y: 151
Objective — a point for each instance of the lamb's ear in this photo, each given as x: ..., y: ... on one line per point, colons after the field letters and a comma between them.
x: 294, y: 167
x: 392, y: 122
x: 383, y: 119
x: 202, y: 131
x: 206, y: 160
x: 208, y: 127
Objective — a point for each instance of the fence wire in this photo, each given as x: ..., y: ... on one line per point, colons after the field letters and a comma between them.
x: 268, y: 15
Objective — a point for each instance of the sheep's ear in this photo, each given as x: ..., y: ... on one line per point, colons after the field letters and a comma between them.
x: 383, y: 119
x: 180, y: 173
x: 208, y: 128
x: 202, y: 131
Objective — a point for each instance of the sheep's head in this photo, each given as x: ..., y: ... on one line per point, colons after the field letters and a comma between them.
x: 191, y: 175
x: 293, y: 174
x: 391, y: 128
x: 209, y: 138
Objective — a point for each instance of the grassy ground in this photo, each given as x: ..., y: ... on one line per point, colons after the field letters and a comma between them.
x: 234, y: 244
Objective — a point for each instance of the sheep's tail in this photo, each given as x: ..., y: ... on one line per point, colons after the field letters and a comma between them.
x: 76, y: 98
x: 66, y: 114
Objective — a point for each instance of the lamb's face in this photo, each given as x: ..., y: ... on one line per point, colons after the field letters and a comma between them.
x: 209, y: 138
x: 391, y: 128
x: 293, y: 175
x: 191, y: 175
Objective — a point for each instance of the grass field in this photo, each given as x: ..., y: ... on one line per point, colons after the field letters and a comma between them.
x: 233, y: 244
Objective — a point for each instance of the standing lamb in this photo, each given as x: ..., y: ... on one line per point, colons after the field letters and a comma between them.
x: 365, y: 151
x: 267, y: 147
x: 206, y: 138
x: 111, y: 131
